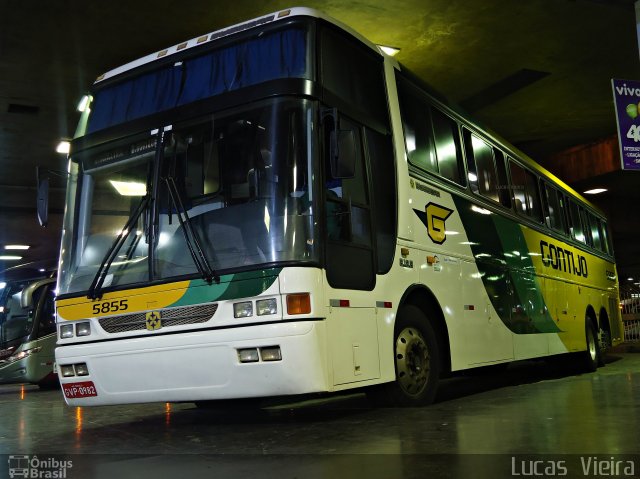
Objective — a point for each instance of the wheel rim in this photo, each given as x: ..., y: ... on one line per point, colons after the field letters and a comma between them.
x: 413, y: 361
x: 591, y: 345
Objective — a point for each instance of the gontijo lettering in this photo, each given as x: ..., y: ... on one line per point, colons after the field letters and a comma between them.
x: 563, y: 259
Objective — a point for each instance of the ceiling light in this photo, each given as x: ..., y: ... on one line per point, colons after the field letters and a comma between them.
x: 595, y: 191
x: 84, y: 103
x: 16, y: 246
x: 63, y: 147
x: 129, y: 188
x: 9, y: 257
x: 391, y: 51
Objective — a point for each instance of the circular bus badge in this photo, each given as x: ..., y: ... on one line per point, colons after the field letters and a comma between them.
x: 153, y: 320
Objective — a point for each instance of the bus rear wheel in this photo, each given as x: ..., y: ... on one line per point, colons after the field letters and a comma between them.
x: 417, y: 362
x: 591, y: 358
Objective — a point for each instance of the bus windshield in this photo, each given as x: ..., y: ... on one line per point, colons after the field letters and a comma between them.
x: 238, y: 179
x: 16, y: 322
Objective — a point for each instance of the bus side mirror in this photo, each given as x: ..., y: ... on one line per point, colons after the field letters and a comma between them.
x: 42, y: 206
x: 343, y: 153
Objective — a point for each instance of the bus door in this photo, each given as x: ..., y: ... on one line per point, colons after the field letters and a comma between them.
x: 349, y: 254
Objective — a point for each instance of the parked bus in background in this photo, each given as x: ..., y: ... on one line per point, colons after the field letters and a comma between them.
x: 279, y: 208
x: 27, y: 325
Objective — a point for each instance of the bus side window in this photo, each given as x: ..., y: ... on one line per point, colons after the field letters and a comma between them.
x: 584, y: 217
x: 447, y: 142
x: 483, y: 178
x: 594, y: 226
x: 417, y: 127
x: 503, y: 182
x: 575, y: 222
x: 604, y: 235
x: 525, y: 192
x: 553, y: 214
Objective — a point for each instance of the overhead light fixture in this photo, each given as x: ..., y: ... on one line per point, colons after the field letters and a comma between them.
x: 63, y: 147
x: 595, y: 191
x: 129, y: 188
x: 391, y: 51
x: 84, y: 103
x: 17, y: 246
x: 10, y: 257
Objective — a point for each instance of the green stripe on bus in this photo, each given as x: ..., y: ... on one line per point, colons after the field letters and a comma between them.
x: 502, y: 257
x: 232, y: 286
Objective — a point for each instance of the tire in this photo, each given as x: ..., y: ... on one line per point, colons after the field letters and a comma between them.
x: 591, y: 358
x: 417, y: 362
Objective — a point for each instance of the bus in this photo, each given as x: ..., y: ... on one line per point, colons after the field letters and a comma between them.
x: 27, y: 326
x: 278, y: 208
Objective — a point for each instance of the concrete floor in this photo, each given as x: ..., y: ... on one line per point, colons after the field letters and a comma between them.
x: 480, y: 424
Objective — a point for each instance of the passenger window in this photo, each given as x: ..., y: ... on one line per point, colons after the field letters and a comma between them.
x: 447, y: 144
x: 594, y: 226
x: 525, y: 192
x: 482, y: 176
x: 575, y: 224
x: 604, y: 235
x: 417, y: 127
x: 503, y: 182
x: 552, y: 204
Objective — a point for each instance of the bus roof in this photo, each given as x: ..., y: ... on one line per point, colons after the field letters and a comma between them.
x: 224, y: 32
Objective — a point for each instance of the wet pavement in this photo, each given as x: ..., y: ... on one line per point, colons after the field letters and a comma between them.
x: 485, y: 424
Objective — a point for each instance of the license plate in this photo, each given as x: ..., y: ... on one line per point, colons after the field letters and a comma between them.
x: 79, y: 390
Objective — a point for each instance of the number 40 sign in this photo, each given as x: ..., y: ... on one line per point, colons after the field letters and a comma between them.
x: 626, y: 97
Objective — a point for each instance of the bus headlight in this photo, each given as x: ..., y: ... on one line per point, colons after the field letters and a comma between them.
x: 67, y: 371
x: 66, y: 331
x: 83, y: 329
x: 21, y: 355
x: 243, y: 310
x: 266, y: 306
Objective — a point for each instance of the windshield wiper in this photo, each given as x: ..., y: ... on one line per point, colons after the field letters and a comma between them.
x: 190, y: 237
x: 95, y: 290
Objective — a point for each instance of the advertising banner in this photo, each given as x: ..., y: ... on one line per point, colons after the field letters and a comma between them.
x: 626, y: 98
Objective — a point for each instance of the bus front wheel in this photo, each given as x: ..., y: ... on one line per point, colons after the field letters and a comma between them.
x: 417, y: 362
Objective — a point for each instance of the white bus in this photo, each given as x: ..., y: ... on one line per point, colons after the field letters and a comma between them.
x: 278, y: 208
x: 27, y: 326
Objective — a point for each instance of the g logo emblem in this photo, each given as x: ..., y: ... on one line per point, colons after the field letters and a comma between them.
x: 436, y: 216
x: 433, y: 218
x: 153, y: 320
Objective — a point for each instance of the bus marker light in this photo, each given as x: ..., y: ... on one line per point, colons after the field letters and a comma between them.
x: 81, y: 369
x: 67, y: 371
x: 66, y: 331
x: 299, y: 303
x: 266, y: 306
x: 384, y: 304
x: 271, y: 353
x: 243, y: 310
x: 248, y: 355
x: 83, y: 329
x: 339, y: 303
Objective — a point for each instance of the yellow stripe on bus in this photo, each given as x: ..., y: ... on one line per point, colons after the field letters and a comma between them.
x: 122, y: 302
